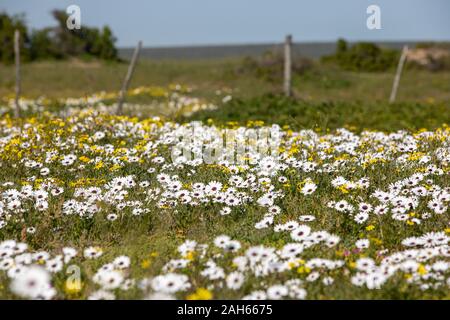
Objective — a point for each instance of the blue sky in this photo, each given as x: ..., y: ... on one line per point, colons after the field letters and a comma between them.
x: 197, y: 22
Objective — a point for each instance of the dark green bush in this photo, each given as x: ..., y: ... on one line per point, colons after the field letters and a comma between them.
x: 55, y: 42
x: 363, y: 56
x: 8, y: 25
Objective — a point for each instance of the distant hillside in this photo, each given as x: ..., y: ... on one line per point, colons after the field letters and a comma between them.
x: 311, y: 50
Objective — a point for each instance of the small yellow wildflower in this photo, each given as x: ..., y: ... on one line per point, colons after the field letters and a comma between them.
x: 145, y: 264
x: 303, y: 269
x: 115, y: 167
x: 343, y: 189
x: 421, y: 270
x: 200, y: 294
x: 99, y: 165
x: 84, y: 159
x: 376, y: 241
x: 190, y: 255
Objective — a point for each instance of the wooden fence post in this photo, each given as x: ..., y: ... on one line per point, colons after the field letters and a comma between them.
x: 398, y: 74
x: 287, y: 65
x: 126, y: 82
x: 17, y: 59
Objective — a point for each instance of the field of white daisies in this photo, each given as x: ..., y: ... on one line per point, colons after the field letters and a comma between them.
x: 99, y: 206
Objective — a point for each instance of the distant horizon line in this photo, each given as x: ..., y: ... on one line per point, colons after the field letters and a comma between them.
x: 231, y: 44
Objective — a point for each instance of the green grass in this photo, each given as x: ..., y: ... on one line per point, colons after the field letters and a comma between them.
x: 321, y: 83
x: 300, y: 114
